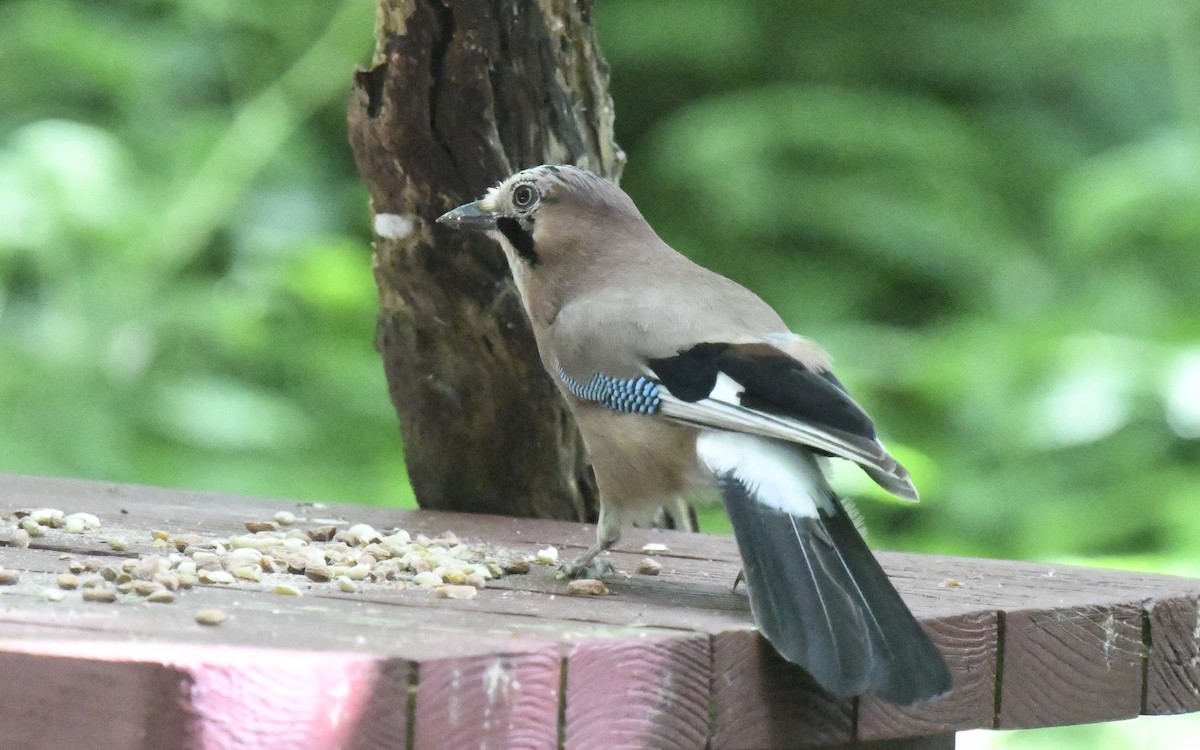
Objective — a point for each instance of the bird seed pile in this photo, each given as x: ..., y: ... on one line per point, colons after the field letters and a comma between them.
x: 273, y: 555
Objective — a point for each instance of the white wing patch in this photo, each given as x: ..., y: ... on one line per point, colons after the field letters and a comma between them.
x: 727, y: 390
x: 776, y: 475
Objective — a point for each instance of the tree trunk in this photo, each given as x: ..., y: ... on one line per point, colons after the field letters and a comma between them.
x: 462, y: 94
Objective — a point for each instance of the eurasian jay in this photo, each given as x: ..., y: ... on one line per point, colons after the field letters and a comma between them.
x: 679, y: 377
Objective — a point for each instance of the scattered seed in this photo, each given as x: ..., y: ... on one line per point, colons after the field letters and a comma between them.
x: 74, y: 525
x: 654, y: 548
x: 211, y: 616
x: 454, y: 577
x: 52, y: 517
x: 215, y: 576
x: 68, y: 581
x: 588, y: 587
x: 475, y: 581
x: 32, y: 527
x: 248, y: 573
x: 53, y: 595
x: 183, y: 541
x: 118, y: 544
x: 397, y: 538
x: 547, y: 556
x: 319, y: 573
x: 162, y: 596
x: 952, y: 583
x: 456, y: 592
x: 427, y: 578
x: 99, y: 595
x: 19, y: 538
x: 363, y: 533
x: 322, y: 533
x: 347, y: 585
x: 649, y: 567
x: 9, y: 577
x: 160, y: 535
x: 145, y: 588
x: 89, y: 521
x: 285, y: 518
x: 256, y: 526
x: 516, y: 567
x: 284, y: 589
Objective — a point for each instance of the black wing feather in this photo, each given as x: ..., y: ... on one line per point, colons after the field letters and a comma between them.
x: 772, y: 382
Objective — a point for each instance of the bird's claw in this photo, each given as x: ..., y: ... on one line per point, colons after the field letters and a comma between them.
x: 741, y: 576
x: 596, y: 568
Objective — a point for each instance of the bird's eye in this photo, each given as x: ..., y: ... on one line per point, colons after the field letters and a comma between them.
x: 524, y: 196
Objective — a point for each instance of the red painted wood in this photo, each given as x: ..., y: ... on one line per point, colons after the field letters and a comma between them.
x: 500, y: 701
x: 649, y: 692
x: 682, y: 634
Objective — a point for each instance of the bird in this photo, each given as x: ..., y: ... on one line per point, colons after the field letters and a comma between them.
x: 680, y: 378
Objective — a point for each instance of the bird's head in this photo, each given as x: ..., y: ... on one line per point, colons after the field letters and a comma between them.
x: 551, y: 213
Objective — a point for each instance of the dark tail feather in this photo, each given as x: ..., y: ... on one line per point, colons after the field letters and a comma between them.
x: 822, y: 600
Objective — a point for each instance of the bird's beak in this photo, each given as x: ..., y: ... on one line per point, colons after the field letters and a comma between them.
x: 470, y: 216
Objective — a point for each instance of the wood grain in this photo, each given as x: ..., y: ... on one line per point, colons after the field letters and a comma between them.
x: 499, y: 701
x: 762, y: 702
x: 1068, y: 641
x: 1173, y: 665
x: 63, y: 703
x: 1072, y: 665
x: 969, y: 643
x: 652, y: 692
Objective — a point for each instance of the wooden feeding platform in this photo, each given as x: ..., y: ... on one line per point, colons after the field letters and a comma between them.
x: 661, y: 662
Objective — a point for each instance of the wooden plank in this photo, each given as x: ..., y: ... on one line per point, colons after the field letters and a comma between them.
x: 640, y: 638
x: 1173, y: 665
x: 52, y: 703
x: 762, y: 702
x: 970, y: 644
x: 122, y: 695
x: 489, y: 702
x: 652, y: 692
x: 1074, y: 665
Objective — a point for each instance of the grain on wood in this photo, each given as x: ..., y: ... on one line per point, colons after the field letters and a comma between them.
x: 651, y: 692
x: 969, y: 644
x: 1087, y: 625
x: 1071, y: 665
x: 55, y: 702
x: 1173, y: 666
x: 760, y: 701
x: 502, y: 701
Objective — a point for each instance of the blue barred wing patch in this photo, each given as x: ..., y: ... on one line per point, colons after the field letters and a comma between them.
x: 638, y: 395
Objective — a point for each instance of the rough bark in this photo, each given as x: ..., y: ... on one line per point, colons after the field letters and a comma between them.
x: 463, y: 93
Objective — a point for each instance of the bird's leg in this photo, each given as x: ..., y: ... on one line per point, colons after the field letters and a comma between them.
x: 586, y: 565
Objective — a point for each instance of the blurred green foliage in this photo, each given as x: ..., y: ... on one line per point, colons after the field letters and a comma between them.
x: 989, y: 212
x: 185, y: 280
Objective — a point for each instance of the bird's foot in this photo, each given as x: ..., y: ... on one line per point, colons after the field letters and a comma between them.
x: 597, y: 567
x: 741, y: 576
